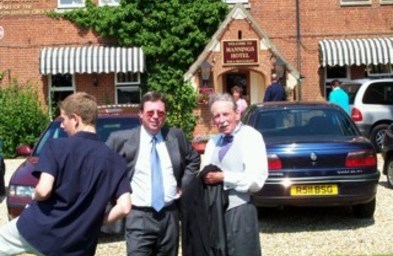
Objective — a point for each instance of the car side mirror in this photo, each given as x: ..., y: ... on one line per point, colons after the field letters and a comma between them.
x: 24, y: 150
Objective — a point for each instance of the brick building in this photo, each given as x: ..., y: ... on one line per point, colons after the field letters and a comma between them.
x: 308, y: 43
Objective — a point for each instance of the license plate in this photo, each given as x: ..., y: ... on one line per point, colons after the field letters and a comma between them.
x: 314, y: 190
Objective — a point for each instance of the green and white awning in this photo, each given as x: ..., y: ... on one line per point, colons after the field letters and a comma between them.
x: 91, y: 59
x: 347, y: 52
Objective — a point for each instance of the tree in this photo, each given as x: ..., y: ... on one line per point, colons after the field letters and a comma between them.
x: 22, y: 118
x: 172, y: 34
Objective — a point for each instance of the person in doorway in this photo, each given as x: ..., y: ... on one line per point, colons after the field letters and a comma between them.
x: 339, y: 96
x: 275, y: 91
x: 241, y: 169
x: 152, y: 228
x: 78, y: 176
x: 237, y: 94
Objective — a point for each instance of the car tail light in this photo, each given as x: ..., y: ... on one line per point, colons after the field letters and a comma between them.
x: 274, y: 162
x: 356, y: 115
x: 361, y: 159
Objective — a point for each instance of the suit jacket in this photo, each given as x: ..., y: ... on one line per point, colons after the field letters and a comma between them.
x: 185, y: 160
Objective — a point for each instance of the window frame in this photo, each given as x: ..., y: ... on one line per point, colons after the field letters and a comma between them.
x: 70, y: 6
x: 355, y: 2
x: 131, y: 85
x: 388, y: 74
x: 111, y: 3
x: 236, y: 1
x: 52, y: 89
x: 385, y: 2
x: 328, y: 80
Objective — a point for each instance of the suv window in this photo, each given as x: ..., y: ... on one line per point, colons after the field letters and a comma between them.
x: 379, y: 93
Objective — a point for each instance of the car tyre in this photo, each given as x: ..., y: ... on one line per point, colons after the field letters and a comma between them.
x: 364, y: 211
x: 376, y: 136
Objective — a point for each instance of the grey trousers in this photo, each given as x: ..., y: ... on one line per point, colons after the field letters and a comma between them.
x: 242, y: 228
x: 151, y: 233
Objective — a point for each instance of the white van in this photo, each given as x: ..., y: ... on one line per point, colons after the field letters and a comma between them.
x: 371, y: 102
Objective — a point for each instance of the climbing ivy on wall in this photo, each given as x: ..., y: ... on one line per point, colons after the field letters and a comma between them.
x: 172, y: 34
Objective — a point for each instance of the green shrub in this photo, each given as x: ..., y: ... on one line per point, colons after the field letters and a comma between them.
x: 22, y: 118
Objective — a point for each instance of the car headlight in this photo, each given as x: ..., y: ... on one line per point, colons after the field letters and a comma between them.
x: 20, y: 191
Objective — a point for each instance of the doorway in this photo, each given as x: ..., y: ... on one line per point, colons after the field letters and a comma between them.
x: 240, y: 79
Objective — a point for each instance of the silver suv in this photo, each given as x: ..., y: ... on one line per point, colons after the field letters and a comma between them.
x: 371, y: 102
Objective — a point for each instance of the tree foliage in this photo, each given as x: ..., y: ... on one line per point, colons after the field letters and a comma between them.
x: 22, y: 118
x: 172, y: 34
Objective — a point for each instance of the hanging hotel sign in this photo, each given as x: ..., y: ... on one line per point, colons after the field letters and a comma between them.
x: 240, y: 52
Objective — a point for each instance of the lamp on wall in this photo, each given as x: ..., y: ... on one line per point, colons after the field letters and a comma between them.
x: 205, y: 72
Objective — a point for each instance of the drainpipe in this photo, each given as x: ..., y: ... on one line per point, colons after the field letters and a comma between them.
x: 298, y: 53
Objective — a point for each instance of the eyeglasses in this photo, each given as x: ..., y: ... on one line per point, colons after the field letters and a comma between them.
x: 160, y: 114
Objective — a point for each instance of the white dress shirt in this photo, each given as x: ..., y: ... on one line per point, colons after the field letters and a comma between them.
x: 141, y: 182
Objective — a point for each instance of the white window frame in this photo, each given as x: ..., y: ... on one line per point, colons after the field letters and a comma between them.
x: 326, y: 85
x: 386, y: 1
x: 52, y: 89
x: 236, y: 1
x: 131, y: 85
x: 355, y: 2
x: 108, y: 3
x: 72, y: 5
x: 389, y: 74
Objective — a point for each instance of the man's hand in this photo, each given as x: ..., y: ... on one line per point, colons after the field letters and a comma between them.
x: 213, y: 178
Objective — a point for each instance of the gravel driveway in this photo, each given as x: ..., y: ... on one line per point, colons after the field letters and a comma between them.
x: 301, y: 231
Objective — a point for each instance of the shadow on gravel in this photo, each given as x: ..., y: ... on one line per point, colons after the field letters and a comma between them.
x: 109, y: 238
x: 384, y: 184
x: 298, y: 219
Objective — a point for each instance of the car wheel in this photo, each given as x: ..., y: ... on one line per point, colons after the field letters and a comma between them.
x: 389, y: 171
x: 377, y: 134
x: 364, y: 211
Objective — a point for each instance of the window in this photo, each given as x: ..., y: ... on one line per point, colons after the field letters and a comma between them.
x: 60, y: 86
x: 336, y: 72
x: 355, y: 2
x: 65, y: 4
x: 128, y: 88
x: 109, y: 2
x: 379, y: 93
x: 380, y: 70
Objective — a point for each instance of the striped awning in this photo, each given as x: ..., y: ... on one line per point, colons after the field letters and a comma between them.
x: 371, y: 51
x: 91, y: 59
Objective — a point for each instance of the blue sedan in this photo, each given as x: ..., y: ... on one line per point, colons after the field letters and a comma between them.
x: 317, y: 157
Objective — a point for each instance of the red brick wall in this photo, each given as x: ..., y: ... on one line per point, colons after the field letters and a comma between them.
x: 319, y: 20
x: 26, y: 35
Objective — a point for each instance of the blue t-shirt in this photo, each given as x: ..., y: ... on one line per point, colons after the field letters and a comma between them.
x: 340, y: 97
x: 87, y: 176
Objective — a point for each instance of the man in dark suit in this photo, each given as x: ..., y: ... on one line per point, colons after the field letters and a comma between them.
x: 275, y: 91
x: 152, y: 227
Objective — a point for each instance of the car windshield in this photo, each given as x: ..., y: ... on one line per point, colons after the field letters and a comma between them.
x: 352, y: 89
x: 304, y: 122
x: 104, y: 127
